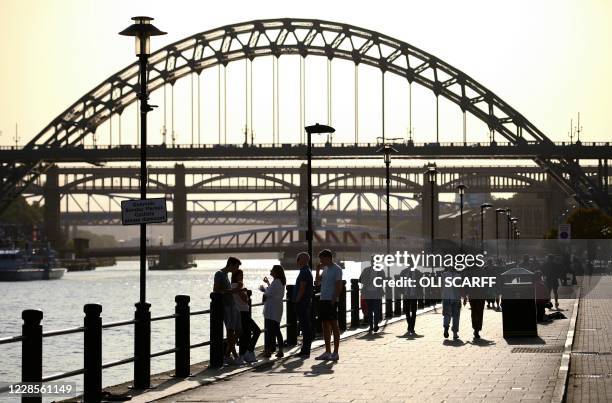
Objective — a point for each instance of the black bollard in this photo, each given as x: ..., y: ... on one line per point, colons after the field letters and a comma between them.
x: 291, y: 318
x: 31, y: 350
x: 354, y: 303
x: 142, y: 346
x: 342, y: 308
x: 216, y: 330
x: 182, y: 338
x: 92, y: 353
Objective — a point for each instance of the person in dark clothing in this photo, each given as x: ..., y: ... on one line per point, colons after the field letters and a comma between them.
x: 477, y: 297
x: 411, y: 296
x: 372, y: 295
x: 250, y: 331
x: 302, y: 298
x: 551, y: 271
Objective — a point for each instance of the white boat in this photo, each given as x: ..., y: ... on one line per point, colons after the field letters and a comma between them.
x: 19, y: 265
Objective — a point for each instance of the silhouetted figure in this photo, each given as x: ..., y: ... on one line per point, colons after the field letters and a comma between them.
x: 329, y: 276
x: 372, y: 295
x: 231, y: 315
x: 302, y: 298
x: 551, y: 271
x: 250, y: 331
x: 451, y: 302
x: 476, y: 297
x: 273, y: 310
x: 412, y: 295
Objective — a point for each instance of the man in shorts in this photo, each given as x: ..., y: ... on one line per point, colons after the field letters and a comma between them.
x: 329, y: 276
x: 231, y: 314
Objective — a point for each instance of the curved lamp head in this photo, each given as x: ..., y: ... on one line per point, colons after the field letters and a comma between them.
x: 461, y: 188
x: 142, y: 30
x: 484, y: 206
x: 387, y: 149
x: 317, y: 128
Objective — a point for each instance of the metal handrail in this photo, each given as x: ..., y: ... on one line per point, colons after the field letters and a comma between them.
x: 13, y: 339
x: 63, y: 331
x: 64, y: 375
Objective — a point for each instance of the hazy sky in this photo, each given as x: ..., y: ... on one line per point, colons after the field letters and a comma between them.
x: 548, y: 59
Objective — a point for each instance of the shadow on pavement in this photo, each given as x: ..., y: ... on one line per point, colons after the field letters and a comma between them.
x: 453, y: 343
x: 323, y: 368
x: 482, y: 342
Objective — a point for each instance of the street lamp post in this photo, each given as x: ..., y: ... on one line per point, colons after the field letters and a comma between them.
x: 483, y: 207
x: 497, y: 212
x: 387, y: 149
x: 142, y: 29
x: 310, y: 130
x: 461, y: 189
x: 508, y: 211
x: 514, y: 224
x: 431, y: 177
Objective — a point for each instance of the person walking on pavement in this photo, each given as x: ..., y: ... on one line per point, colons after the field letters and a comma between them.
x: 412, y: 295
x: 372, y: 295
x: 329, y: 276
x: 476, y: 297
x: 302, y: 298
x: 451, y: 302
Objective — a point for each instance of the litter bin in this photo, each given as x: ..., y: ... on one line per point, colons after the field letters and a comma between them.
x: 519, y: 315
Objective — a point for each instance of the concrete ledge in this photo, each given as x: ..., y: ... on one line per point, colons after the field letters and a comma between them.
x: 563, y: 374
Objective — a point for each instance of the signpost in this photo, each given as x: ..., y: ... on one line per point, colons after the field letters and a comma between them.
x: 147, y: 211
x: 565, y: 232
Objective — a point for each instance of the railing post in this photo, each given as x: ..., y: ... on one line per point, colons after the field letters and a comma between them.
x: 342, y: 308
x: 216, y: 330
x: 398, y: 297
x: 354, y: 303
x: 291, y: 318
x: 92, y: 353
x: 31, y: 350
x: 181, y: 336
x: 142, y: 346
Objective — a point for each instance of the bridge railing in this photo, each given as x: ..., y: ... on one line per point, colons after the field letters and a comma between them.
x: 32, y: 338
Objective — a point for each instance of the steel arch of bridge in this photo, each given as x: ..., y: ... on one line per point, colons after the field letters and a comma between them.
x: 304, y: 37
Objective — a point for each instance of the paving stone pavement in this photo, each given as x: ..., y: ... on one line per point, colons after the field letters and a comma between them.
x: 390, y: 366
x: 590, y: 377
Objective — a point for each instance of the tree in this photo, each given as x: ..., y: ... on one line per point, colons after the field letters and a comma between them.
x: 590, y: 223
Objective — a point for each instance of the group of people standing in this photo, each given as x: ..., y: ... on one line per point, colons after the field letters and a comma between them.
x: 242, y: 329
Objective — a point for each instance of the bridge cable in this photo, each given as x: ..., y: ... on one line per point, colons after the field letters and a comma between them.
x: 192, y: 105
x: 464, y: 128
x: 251, y: 99
x: 165, y: 114
x: 219, y: 101
x: 199, y: 111
x: 329, y: 92
x: 300, y: 124
x: 437, y: 119
x: 409, y: 111
x: 277, y: 101
x: 172, y: 114
x: 356, y: 94
x: 383, y: 106
x: 246, y: 101
x: 225, y: 104
x: 273, y: 100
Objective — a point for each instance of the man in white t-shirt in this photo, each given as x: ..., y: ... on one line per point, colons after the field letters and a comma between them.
x: 330, y: 280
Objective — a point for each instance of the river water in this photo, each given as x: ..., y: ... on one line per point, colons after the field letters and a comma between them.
x: 117, y: 289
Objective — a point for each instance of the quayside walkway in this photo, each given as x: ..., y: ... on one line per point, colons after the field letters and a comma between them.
x: 391, y: 366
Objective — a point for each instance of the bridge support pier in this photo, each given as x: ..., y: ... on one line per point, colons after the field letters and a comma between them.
x: 181, y: 227
x: 426, y: 210
x: 51, y: 211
